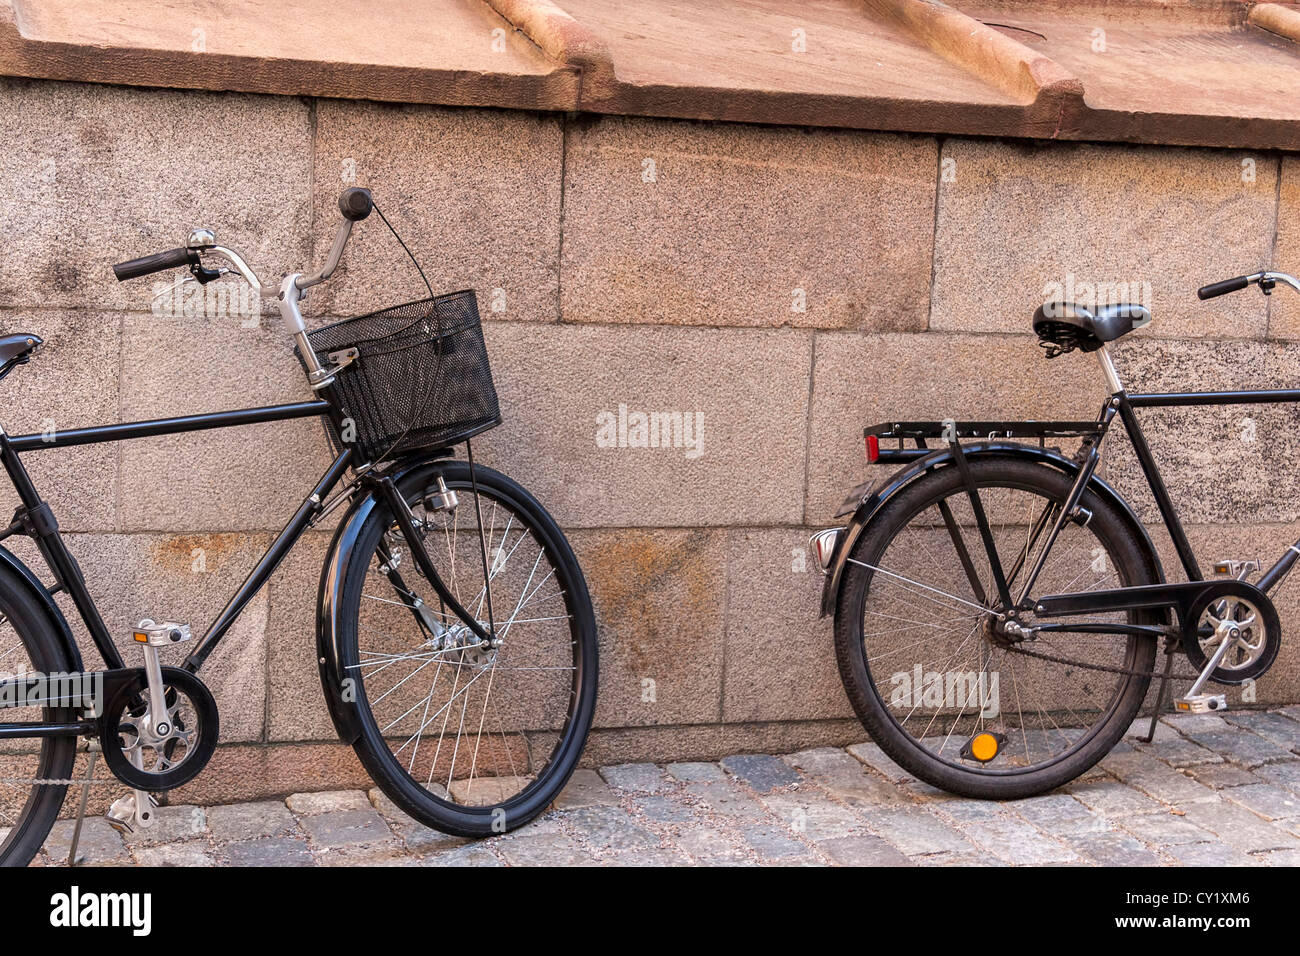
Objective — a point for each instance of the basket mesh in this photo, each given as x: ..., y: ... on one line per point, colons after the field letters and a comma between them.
x: 420, y: 380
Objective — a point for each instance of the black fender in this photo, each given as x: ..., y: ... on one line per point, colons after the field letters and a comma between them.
x: 407, y: 475
x: 875, y: 499
x: 27, y: 579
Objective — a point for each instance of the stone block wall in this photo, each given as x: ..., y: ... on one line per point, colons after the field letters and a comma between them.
x: 784, y: 286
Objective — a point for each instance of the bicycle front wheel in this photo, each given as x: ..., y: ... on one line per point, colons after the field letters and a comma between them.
x: 471, y: 740
x: 947, y: 692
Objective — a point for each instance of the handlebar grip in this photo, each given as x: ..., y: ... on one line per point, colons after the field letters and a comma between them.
x: 355, y: 203
x: 145, y: 265
x: 1222, y: 288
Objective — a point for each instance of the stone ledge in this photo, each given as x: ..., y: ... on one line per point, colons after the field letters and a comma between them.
x: 990, y: 67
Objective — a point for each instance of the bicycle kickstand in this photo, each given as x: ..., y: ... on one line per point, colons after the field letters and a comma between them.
x: 1160, y: 697
x: 93, y: 749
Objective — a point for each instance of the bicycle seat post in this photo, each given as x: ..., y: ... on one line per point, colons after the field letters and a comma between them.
x: 1108, y: 366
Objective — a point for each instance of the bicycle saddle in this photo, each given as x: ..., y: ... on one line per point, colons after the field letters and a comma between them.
x: 18, y: 347
x: 1064, y: 326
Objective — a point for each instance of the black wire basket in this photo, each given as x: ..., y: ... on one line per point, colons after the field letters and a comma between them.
x: 419, y: 377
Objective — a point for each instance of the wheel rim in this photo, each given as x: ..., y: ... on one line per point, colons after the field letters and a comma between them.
x: 473, y: 727
x: 946, y: 672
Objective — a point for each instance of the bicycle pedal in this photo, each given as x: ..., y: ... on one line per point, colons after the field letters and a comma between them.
x: 161, y: 635
x: 1201, y: 704
x: 123, y: 817
x: 1236, y: 569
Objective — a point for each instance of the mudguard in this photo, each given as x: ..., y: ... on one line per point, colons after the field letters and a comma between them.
x: 58, y: 622
x: 884, y: 491
x: 407, y: 475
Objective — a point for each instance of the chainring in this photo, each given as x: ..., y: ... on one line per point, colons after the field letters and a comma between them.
x: 176, y: 758
x: 1245, y: 606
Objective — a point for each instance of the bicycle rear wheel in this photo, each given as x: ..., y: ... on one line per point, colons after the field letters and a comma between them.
x: 468, y: 739
x: 943, y: 690
x: 28, y: 808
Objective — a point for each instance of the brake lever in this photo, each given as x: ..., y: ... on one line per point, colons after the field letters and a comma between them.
x: 205, y: 241
x: 213, y: 273
x: 203, y: 275
x: 173, y: 287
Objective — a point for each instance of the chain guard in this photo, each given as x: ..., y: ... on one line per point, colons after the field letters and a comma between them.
x: 127, y: 703
x: 1267, y: 627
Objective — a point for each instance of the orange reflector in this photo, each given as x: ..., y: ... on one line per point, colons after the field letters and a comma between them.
x: 984, y: 747
x: 141, y: 637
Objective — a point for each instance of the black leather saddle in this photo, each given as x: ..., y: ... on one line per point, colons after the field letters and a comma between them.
x: 18, y: 348
x: 1065, y: 326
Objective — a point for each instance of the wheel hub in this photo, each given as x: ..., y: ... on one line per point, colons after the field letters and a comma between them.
x: 463, y: 646
x: 1003, y: 632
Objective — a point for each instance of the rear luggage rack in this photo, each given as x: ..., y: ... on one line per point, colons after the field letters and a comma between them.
x: 947, y: 431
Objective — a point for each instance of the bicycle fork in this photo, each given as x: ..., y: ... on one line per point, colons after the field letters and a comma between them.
x: 406, y: 524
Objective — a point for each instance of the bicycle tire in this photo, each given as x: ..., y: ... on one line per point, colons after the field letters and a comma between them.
x: 1133, y: 565
x: 438, y: 810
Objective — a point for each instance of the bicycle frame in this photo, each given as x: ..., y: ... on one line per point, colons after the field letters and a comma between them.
x: 1168, y: 595
x: 374, y: 483
x: 1119, y: 404
x: 38, y: 520
x: 35, y: 519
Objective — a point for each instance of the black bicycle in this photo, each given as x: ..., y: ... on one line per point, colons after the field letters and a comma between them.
x: 455, y: 635
x: 999, y: 609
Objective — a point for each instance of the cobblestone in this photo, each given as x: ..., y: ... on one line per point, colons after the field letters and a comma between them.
x: 1113, y: 849
x: 1266, y: 800
x: 636, y: 778
x: 761, y: 772
x: 246, y: 821
x: 1210, y: 790
x: 585, y: 788
x: 272, y: 852
x: 346, y: 826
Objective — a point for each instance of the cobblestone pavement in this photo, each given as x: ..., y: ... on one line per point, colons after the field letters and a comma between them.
x: 1210, y: 789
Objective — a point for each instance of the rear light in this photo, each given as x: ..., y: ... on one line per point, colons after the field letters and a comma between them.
x: 873, y: 449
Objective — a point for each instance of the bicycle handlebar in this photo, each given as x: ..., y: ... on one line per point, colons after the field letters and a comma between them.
x: 1267, y: 281
x: 159, y: 261
x: 1223, y: 287
x: 355, y: 203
